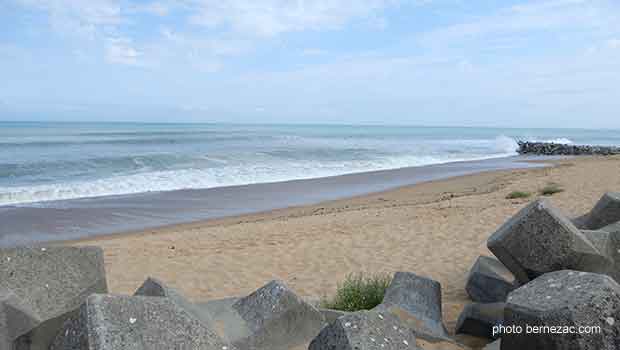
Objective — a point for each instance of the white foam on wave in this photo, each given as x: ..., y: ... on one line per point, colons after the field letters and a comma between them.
x: 204, y: 178
x: 506, y: 144
x: 559, y: 140
x: 232, y: 175
x: 501, y: 144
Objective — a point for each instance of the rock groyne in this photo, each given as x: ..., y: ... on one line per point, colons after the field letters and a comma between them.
x: 559, y: 149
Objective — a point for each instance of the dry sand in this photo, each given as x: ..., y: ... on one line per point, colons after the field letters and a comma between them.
x: 435, y: 229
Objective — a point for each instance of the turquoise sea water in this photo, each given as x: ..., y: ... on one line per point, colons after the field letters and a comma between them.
x: 52, y: 161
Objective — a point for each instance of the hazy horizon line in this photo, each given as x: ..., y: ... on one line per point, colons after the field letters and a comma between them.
x: 363, y: 124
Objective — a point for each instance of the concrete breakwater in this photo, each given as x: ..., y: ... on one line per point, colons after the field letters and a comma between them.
x: 558, y: 149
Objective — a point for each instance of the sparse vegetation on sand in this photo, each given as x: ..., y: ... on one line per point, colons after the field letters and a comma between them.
x: 359, y: 292
x: 518, y: 195
x: 551, y: 189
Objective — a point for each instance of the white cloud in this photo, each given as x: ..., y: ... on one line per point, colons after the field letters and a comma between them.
x: 82, y: 17
x: 272, y: 17
x: 205, y: 65
x: 561, y: 16
x: 313, y: 52
x: 154, y: 8
x: 121, y: 51
x: 205, y: 53
x: 234, y: 26
x: 607, y: 47
x: 99, y: 21
x: 205, y: 45
x: 613, y: 43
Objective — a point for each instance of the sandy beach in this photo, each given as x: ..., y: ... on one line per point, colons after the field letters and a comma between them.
x: 435, y: 228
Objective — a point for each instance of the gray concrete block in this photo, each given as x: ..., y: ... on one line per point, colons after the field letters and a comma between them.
x: 42, y: 287
x: 496, y: 345
x: 478, y: 319
x: 153, y: 287
x: 416, y: 301
x: 540, y: 239
x: 16, y: 318
x: 331, y: 315
x: 276, y: 318
x: 607, y: 241
x: 365, y: 330
x: 562, y: 299
x: 108, y: 322
x: 440, y: 345
x: 612, y: 228
x: 605, y: 212
x: 489, y: 281
x: 228, y: 323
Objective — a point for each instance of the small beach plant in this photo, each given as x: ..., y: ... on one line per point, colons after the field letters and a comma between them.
x: 359, y: 292
x: 518, y: 194
x: 551, y: 189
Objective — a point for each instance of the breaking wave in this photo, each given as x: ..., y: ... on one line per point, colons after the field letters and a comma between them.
x: 160, y: 173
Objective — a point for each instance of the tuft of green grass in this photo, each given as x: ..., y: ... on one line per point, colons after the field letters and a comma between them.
x: 518, y: 194
x: 359, y: 292
x: 551, y: 189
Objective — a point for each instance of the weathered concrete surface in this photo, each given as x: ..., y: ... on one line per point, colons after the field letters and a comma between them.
x: 41, y: 287
x: 496, y: 345
x: 440, y: 345
x: 416, y: 301
x: 478, y: 319
x: 274, y: 318
x: 540, y: 239
x: 565, y: 298
x: 331, y: 315
x: 16, y: 318
x: 612, y: 228
x: 605, y: 212
x: 228, y: 323
x: 153, y: 287
x: 365, y: 330
x: 107, y: 322
x: 489, y: 281
x: 607, y: 241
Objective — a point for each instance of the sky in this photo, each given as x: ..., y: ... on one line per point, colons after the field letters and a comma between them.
x: 548, y: 63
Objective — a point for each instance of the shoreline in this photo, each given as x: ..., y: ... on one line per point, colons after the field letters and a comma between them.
x: 292, y: 211
x: 70, y: 220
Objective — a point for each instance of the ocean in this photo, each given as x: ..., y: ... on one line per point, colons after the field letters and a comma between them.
x: 43, y: 161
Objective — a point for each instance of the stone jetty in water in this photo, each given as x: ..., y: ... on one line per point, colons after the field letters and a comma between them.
x: 560, y: 149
